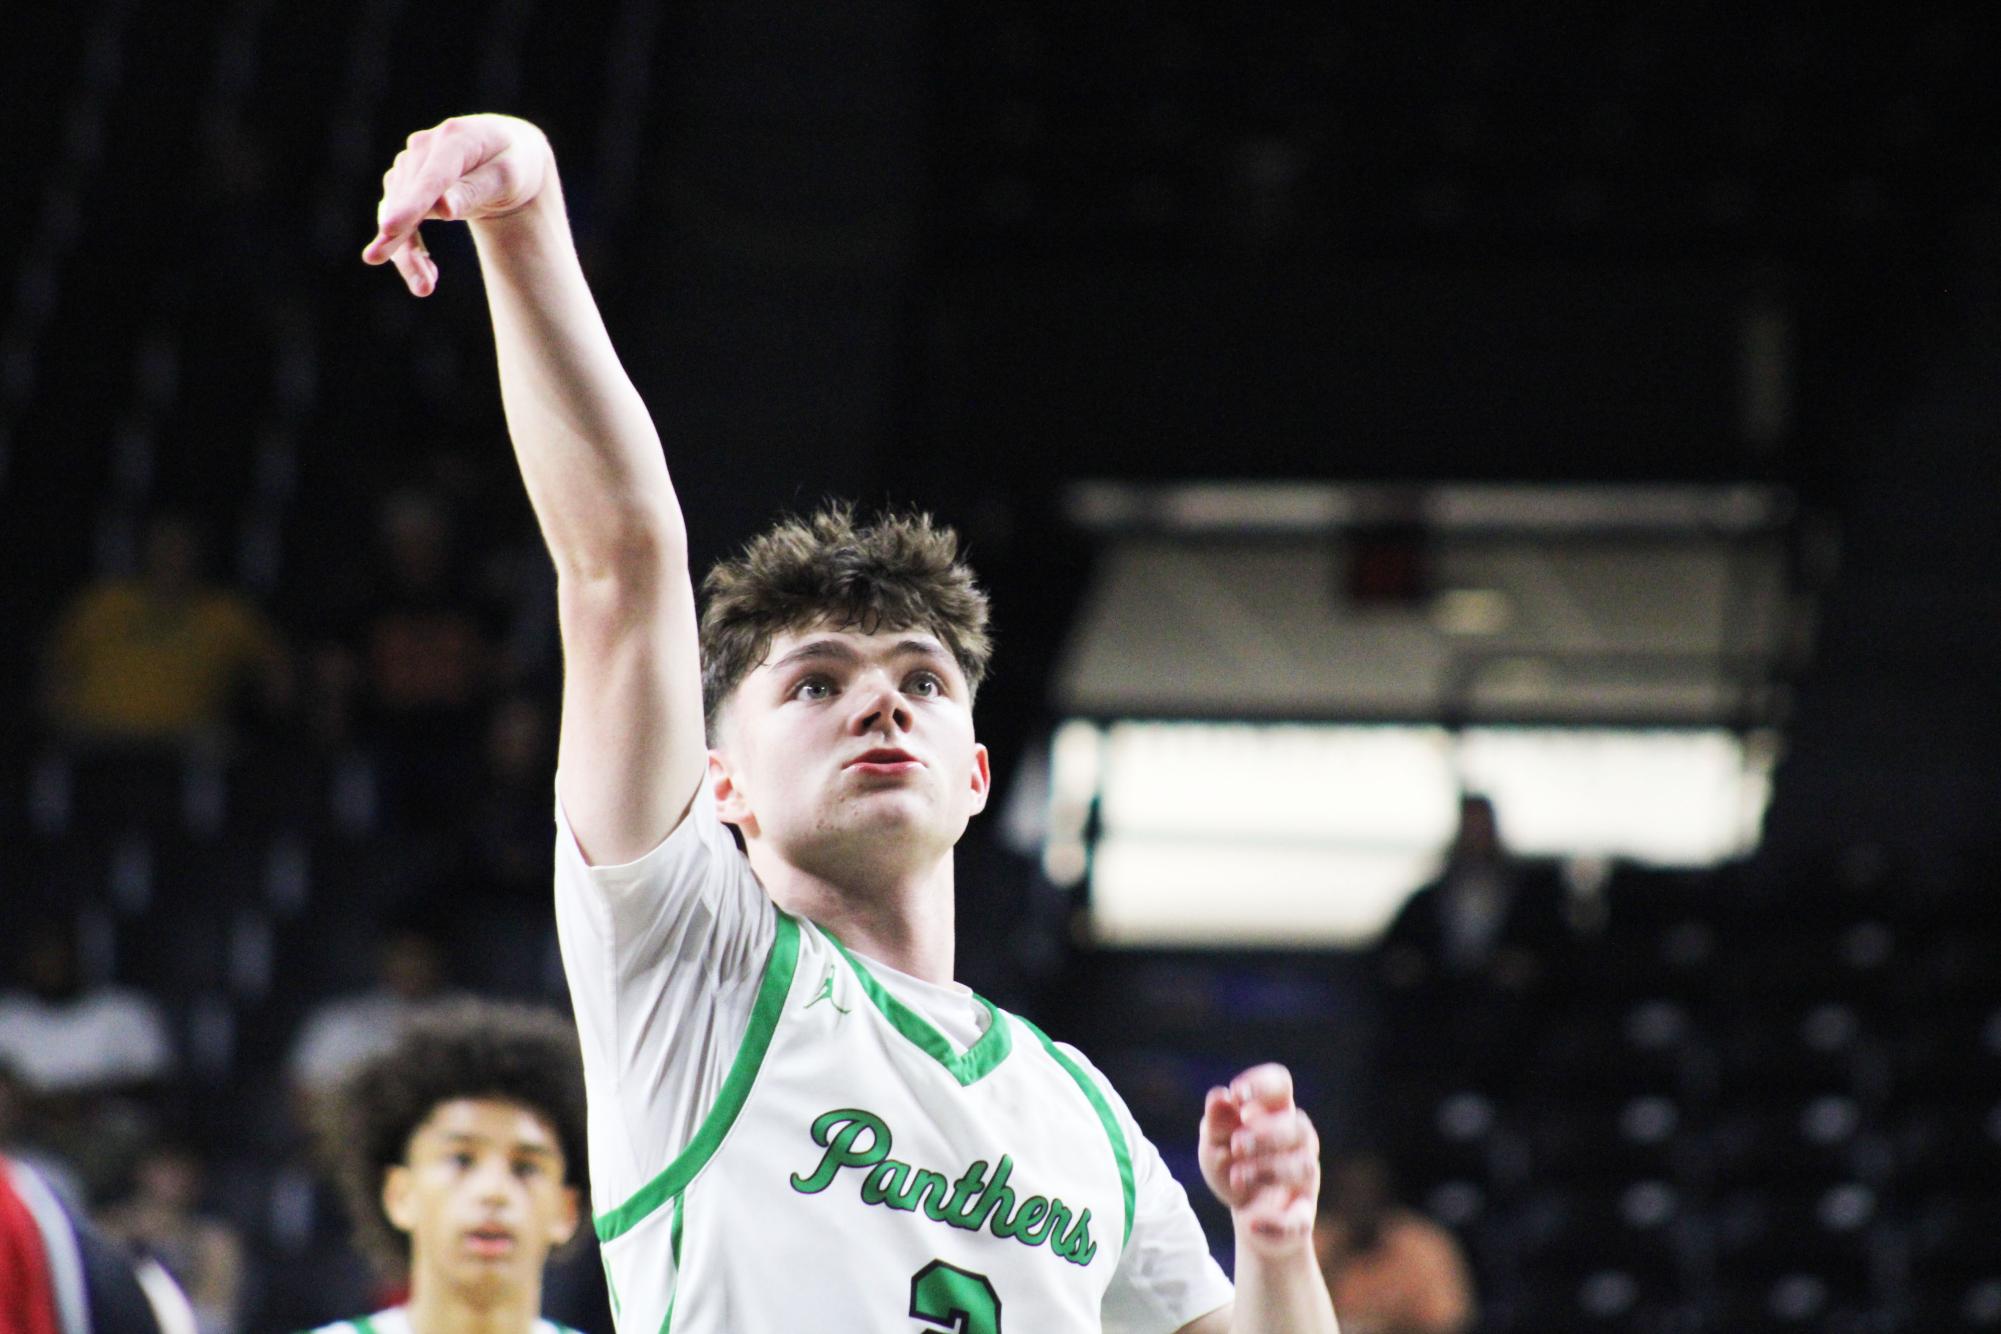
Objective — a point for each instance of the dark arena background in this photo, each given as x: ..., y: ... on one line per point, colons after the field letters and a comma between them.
x: 1597, y: 407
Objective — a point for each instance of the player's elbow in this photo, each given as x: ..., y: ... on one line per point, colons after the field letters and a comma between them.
x: 620, y: 589
x: 623, y: 555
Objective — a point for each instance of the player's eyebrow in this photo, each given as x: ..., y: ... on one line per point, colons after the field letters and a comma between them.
x: 841, y: 651
x: 816, y: 649
x: 461, y: 1139
x: 920, y: 648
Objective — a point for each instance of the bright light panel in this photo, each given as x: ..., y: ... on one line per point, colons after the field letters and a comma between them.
x: 1237, y: 833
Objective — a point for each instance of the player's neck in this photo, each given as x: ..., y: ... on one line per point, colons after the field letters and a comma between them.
x: 905, y: 922
x: 436, y: 1308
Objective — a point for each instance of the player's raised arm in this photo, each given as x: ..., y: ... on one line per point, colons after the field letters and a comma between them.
x: 632, y: 749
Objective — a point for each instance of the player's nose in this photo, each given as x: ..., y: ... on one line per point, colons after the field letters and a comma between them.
x: 879, y: 706
x: 491, y: 1181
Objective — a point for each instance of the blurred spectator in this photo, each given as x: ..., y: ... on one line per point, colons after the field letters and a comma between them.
x: 19, y: 1140
x: 27, y: 1287
x: 160, y: 1220
x: 416, y: 660
x: 163, y: 658
x: 341, y: 1033
x: 89, y: 1055
x: 59, y: 1275
x: 504, y: 858
x: 1487, y: 918
x: 1389, y: 1269
x: 508, y: 850
x: 67, y: 1037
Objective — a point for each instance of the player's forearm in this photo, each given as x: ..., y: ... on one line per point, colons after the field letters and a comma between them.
x: 588, y: 451
x: 1280, y: 1294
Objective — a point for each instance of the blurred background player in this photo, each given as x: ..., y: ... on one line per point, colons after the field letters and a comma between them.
x: 460, y: 1152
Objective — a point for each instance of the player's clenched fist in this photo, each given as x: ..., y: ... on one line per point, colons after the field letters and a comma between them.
x: 1261, y: 1156
x: 465, y: 169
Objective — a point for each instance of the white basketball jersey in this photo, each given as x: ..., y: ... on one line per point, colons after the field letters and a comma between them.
x: 859, y: 1173
x: 396, y: 1320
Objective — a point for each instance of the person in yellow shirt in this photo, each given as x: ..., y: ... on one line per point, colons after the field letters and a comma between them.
x: 163, y: 658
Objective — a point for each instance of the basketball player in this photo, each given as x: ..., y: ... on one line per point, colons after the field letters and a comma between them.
x: 800, y: 1121
x: 457, y: 1150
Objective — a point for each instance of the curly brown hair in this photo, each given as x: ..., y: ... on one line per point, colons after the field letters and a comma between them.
x: 898, y: 571
x: 465, y: 1048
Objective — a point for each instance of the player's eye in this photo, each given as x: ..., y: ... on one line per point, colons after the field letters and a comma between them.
x: 812, y: 687
x: 927, y: 684
x: 462, y: 1160
x: 527, y: 1168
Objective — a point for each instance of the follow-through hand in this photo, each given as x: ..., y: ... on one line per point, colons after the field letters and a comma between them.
x: 466, y: 169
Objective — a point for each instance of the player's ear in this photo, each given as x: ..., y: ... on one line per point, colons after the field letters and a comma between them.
x: 732, y: 805
x: 983, y: 778
x: 398, y: 1199
x: 564, y: 1225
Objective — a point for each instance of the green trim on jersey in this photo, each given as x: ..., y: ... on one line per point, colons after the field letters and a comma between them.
x: 1103, y: 1108
x: 764, y: 1015
x: 968, y: 1067
x: 360, y: 1324
x: 674, y: 1243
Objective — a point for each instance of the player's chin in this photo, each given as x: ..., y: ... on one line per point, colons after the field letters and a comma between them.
x: 891, y: 807
x: 490, y: 1276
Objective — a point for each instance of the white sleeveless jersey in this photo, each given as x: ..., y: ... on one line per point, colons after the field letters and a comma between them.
x: 396, y: 1320
x: 858, y: 1173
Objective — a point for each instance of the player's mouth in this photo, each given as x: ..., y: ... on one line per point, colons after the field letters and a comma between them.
x: 490, y: 1243
x: 885, y: 761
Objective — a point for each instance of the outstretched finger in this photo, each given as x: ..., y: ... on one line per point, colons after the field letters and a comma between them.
x: 413, y: 261
x: 416, y: 187
x: 396, y: 217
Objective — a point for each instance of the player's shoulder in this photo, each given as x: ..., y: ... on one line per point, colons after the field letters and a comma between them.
x: 1063, y: 1053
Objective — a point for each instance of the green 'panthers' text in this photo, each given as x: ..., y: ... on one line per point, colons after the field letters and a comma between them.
x: 977, y: 1199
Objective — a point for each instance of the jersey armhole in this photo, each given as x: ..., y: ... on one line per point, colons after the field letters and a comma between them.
x: 779, y: 966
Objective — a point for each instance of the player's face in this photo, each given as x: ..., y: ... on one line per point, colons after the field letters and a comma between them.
x: 481, y: 1194
x: 840, y: 740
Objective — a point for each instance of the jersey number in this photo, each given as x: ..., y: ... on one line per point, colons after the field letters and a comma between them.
x: 949, y: 1297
